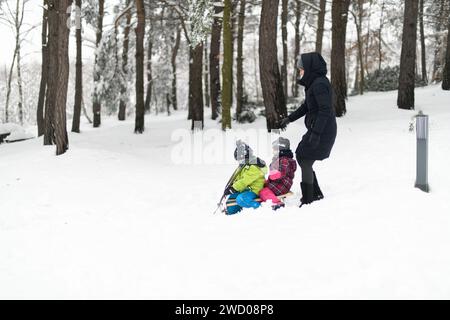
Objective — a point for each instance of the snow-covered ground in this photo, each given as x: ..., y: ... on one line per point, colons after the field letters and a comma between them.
x: 115, y: 217
x: 15, y: 132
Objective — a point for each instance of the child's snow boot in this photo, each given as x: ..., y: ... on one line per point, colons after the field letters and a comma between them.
x: 278, y: 206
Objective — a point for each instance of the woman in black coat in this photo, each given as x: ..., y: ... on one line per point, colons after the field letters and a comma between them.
x: 320, y: 120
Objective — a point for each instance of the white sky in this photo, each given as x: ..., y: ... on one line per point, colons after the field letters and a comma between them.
x: 31, y: 46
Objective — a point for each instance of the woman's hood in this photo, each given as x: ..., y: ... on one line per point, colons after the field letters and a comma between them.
x: 314, y: 66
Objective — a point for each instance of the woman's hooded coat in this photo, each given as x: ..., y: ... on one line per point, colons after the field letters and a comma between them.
x: 320, y: 117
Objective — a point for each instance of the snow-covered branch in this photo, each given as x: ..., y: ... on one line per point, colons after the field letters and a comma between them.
x: 124, y: 12
x: 312, y: 5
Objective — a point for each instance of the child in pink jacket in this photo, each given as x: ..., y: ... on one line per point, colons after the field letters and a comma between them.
x: 282, y: 172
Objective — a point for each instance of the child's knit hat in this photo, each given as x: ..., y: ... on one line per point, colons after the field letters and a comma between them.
x: 242, y: 151
x: 281, y: 144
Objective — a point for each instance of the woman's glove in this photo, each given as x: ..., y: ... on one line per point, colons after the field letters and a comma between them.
x: 314, y: 140
x: 284, y: 123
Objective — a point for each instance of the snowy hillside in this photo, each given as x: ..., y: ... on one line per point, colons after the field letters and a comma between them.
x: 115, y: 217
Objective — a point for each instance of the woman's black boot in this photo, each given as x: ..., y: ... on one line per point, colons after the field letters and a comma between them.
x: 307, y: 192
x: 317, y: 192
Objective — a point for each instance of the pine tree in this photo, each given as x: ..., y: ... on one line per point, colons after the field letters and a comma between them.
x: 148, y: 95
x: 446, y: 75
x: 320, y: 26
x: 112, y: 78
x: 165, y: 47
x: 405, y: 98
x: 214, y: 63
x: 200, y: 20
x: 438, y: 11
x: 96, y: 108
x: 173, y: 60
x: 140, y: 32
x: 240, y: 61
x: 284, y: 37
x: 422, y: 43
x: 298, y: 13
x: 58, y: 42
x: 196, y: 86
x: 206, y: 74
x: 78, y: 74
x: 227, y: 67
x: 124, y: 85
x: 338, y: 71
x: 271, y: 82
x: 44, y: 73
x: 358, y: 12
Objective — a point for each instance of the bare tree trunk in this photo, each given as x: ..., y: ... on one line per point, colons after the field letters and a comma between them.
x: 168, y: 103
x: 437, y: 66
x: 55, y: 115
x: 227, y: 67
x: 422, y: 44
x: 271, y: 82
x: 320, y: 26
x: 140, y: 33
x: 83, y: 107
x: 97, y: 107
x: 255, y: 72
x: 190, y: 104
x: 8, y: 86
x: 338, y: 70
x: 61, y: 138
x: 196, y: 86
x: 357, y: 74
x: 18, y: 20
x: 18, y: 24
x: 19, y: 84
x: 360, y: 53
x: 44, y: 73
x: 176, y: 47
x: 380, y: 53
x: 284, y: 36
x: 446, y: 73
x: 298, y: 14
x: 361, y: 46
x: 78, y: 77
x: 148, y: 96
x: 206, y: 74
x: 358, y: 19
x: 234, y: 20
x: 214, y: 64
x: 49, y: 131
x: 149, y: 91
x: 367, y: 40
x: 126, y: 44
x: 239, y: 61
x: 5, y: 76
x: 406, y: 82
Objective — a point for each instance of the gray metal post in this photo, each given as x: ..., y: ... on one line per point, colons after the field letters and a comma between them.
x: 422, y: 152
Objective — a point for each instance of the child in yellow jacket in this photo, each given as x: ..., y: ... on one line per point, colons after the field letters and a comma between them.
x: 249, y: 181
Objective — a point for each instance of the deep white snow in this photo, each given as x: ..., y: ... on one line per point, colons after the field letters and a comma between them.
x: 115, y: 217
x: 16, y: 132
